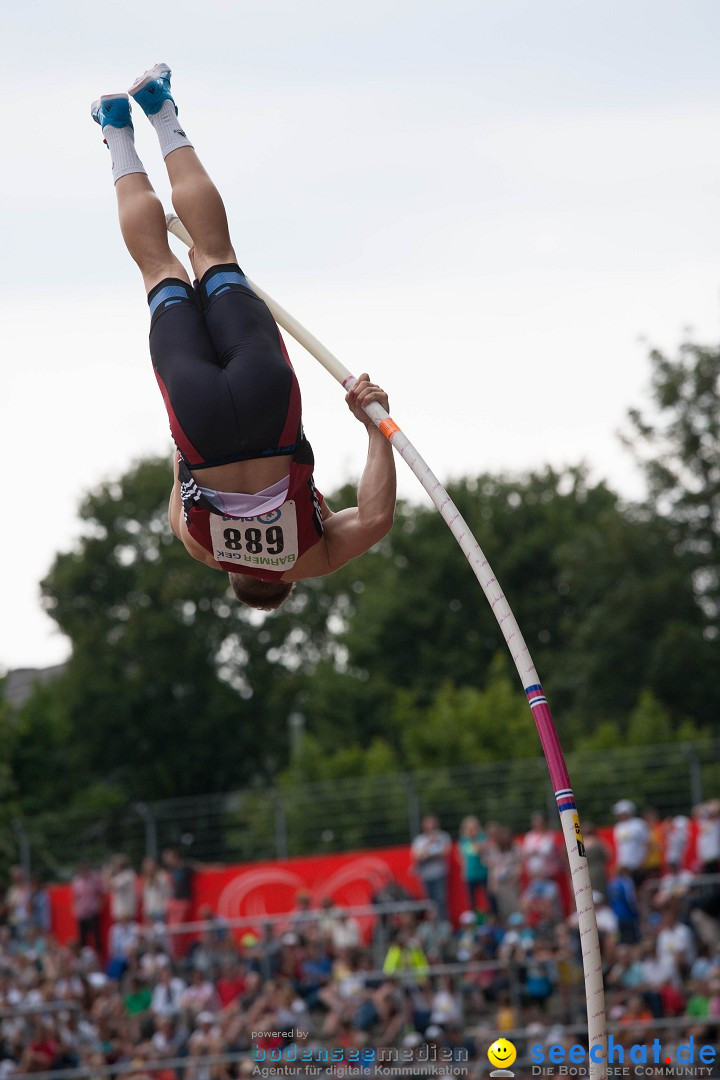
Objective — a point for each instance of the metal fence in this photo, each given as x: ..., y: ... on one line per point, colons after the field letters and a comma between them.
x: 374, y: 1064
x: 369, y: 811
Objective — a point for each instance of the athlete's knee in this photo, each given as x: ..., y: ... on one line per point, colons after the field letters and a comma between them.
x: 156, y: 270
x: 204, y: 257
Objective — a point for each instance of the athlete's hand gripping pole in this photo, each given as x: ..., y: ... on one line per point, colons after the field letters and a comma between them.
x: 582, y: 889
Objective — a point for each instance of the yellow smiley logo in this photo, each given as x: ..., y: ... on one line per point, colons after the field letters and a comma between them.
x: 502, y: 1053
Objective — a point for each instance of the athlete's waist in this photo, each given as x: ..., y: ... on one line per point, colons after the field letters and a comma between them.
x: 249, y: 455
x: 248, y: 475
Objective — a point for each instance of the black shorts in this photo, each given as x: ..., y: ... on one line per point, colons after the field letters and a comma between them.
x: 223, y: 370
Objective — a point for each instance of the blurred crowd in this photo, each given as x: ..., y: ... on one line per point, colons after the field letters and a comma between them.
x: 509, y: 963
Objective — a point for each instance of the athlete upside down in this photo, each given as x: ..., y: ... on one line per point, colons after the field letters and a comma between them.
x: 243, y: 499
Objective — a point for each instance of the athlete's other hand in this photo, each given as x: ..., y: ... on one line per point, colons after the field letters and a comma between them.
x: 362, y: 393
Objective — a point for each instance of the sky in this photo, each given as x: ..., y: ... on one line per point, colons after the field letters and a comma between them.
x: 493, y: 206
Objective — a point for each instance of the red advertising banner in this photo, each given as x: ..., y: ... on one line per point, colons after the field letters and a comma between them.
x: 253, y: 890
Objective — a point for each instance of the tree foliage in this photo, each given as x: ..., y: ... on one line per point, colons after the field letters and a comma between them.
x: 396, y: 661
x: 679, y: 446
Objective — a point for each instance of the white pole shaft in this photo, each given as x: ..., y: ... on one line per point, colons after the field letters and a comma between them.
x: 580, y: 876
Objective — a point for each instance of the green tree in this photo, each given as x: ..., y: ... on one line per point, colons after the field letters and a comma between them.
x: 603, y: 599
x: 678, y: 444
x: 142, y: 704
x: 173, y: 688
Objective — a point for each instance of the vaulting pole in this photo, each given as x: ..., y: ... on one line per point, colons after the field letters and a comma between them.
x: 582, y: 889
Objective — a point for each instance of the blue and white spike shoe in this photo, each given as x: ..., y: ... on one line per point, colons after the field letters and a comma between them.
x: 152, y: 89
x: 112, y: 109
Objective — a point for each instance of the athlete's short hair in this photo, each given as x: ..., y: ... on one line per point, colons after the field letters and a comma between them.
x: 256, y: 593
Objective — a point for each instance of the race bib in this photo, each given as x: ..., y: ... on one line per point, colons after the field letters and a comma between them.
x: 267, y: 542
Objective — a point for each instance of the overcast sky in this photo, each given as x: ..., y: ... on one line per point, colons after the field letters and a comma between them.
x: 487, y: 204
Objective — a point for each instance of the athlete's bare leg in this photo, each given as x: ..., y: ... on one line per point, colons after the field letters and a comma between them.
x: 142, y: 222
x: 199, y: 206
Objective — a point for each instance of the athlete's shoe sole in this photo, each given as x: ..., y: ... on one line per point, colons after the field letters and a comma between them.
x: 113, y: 110
x: 152, y: 89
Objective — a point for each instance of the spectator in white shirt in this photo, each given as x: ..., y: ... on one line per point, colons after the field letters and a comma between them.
x: 708, y: 840
x: 156, y: 891
x: 122, y: 887
x: 540, y: 849
x: 632, y: 839
x: 675, y: 941
x: 200, y: 995
x: 167, y: 995
x: 431, y: 861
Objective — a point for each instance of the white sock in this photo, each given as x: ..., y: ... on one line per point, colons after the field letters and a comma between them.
x: 121, y: 143
x: 169, y: 129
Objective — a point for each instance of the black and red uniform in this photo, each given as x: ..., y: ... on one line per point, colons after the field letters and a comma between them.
x: 231, y: 395
x: 266, y: 546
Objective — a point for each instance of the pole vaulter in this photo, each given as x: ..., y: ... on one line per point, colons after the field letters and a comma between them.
x: 582, y: 889
x: 237, y: 428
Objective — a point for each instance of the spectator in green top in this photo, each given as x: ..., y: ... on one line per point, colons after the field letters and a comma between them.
x: 472, y: 843
x: 138, y: 998
x: 405, y: 956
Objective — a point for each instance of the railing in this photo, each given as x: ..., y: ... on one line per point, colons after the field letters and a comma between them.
x: 294, y: 920
x: 367, y: 812
x: 484, y: 1036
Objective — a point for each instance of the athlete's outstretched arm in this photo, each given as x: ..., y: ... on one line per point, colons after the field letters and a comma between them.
x: 351, y: 532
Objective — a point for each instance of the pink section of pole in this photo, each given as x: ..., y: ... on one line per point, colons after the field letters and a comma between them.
x: 548, y: 738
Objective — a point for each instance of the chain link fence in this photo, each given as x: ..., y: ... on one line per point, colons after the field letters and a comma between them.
x: 369, y: 811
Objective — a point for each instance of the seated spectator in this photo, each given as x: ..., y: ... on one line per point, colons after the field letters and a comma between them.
x: 166, y: 1039
x: 675, y: 940
x: 205, y: 1040
x: 466, y: 937
x: 42, y: 1049
x: 138, y: 998
x: 541, y: 903
x: 168, y: 994
x: 698, y: 1002
x: 518, y: 940
x: 608, y: 927
x: 315, y: 971
x: 622, y: 898
x: 199, y: 996
x: 405, y: 955
x: 636, y: 1011
x: 231, y: 984
x: 540, y: 976
x: 599, y: 857
x: 345, y: 931
x: 714, y: 1003
x: 446, y: 1008
x: 122, y: 940
x: 434, y: 936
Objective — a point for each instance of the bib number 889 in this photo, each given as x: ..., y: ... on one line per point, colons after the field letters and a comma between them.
x: 251, y: 540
